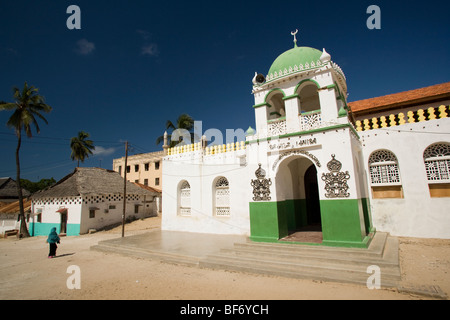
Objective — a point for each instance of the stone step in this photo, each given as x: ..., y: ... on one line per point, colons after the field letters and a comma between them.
x: 143, y: 253
x: 300, y: 271
x: 305, y: 270
x: 282, y: 259
x: 312, y: 262
x: 389, y: 259
x: 340, y: 265
x: 305, y: 265
x: 376, y: 248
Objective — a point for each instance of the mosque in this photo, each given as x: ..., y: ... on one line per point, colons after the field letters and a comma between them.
x: 317, y: 163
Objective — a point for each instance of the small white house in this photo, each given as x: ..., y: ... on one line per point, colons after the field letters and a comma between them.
x: 88, y: 198
x: 9, y: 216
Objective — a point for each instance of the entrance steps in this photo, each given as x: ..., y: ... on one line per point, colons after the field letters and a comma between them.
x: 313, y: 261
x: 305, y: 261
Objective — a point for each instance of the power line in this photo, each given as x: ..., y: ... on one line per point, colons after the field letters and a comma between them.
x: 60, y: 138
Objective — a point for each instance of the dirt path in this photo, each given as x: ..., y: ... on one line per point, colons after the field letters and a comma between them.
x: 26, y: 273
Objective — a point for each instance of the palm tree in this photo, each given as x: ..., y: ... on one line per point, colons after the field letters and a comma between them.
x: 184, y: 121
x: 27, y: 106
x: 81, y: 148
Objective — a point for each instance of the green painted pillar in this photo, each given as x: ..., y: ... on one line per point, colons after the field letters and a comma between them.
x: 268, y: 221
x: 343, y: 223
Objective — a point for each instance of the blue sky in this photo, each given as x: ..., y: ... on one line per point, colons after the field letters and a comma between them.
x: 134, y: 65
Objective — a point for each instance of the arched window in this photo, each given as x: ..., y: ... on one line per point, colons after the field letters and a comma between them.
x: 385, y: 175
x: 437, y: 162
x: 222, y: 197
x: 185, y: 199
x: 277, y: 108
x: 309, y: 97
x: 309, y: 105
x: 383, y: 168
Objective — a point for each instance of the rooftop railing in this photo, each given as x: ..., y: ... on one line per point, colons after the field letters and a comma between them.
x: 207, y: 151
x: 401, y: 118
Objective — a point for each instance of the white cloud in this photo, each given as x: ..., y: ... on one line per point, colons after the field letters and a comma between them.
x: 12, y: 51
x: 150, y: 50
x: 85, y: 47
x: 100, y: 151
x: 144, y: 34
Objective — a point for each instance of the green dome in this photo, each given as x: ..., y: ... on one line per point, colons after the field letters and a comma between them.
x: 293, y: 60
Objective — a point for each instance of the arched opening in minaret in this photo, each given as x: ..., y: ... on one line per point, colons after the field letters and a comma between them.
x: 309, y: 97
x: 276, y: 109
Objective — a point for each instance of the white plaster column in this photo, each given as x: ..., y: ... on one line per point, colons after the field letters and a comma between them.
x: 328, y: 105
x: 292, y: 121
x: 261, y: 120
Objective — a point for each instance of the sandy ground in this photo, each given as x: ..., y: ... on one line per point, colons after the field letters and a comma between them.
x: 27, y: 273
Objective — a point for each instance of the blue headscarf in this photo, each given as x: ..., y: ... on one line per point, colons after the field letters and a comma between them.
x: 53, y: 236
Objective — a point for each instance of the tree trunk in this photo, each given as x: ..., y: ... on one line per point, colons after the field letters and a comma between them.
x: 23, y: 232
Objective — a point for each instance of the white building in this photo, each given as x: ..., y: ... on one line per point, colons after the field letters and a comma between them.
x: 406, y: 149
x: 312, y: 165
x: 88, y: 198
x: 9, y: 216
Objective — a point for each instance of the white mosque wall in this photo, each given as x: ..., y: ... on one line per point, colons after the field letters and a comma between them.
x: 202, y: 172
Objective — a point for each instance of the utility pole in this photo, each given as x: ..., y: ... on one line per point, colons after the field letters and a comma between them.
x: 124, y: 189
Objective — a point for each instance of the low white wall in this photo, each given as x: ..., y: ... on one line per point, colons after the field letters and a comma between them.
x: 8, y: 222
x: 106, y: 216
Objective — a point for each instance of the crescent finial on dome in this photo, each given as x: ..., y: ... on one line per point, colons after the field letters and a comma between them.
x: 295, y: 39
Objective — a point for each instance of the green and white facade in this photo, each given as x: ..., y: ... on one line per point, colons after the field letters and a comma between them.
x: 304, y: 164
x: 310, y: 151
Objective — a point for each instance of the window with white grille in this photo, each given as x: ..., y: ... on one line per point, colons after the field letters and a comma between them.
x: 437, y: 162
x: 185, y: 199
x: 222, y: 197
x: 383, y: 168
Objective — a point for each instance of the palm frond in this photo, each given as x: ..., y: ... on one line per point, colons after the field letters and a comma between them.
x: 81, y: 148
x: 170, y: 125
x: 184, y: 121
x: 159, y: 140
x: 7, y: 106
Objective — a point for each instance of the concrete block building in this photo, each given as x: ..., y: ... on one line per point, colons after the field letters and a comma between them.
x: 143, y: 168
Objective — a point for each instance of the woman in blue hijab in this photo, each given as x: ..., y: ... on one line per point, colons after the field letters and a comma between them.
x: 53, y: 239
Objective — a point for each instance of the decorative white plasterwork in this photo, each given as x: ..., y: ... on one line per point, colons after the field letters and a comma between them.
x: 301, y: 68
x: 293, y: 69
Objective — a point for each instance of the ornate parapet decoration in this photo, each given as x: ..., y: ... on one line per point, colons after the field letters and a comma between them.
x: 392, y: 120
x: 336, y: 181
x: 261, y: 185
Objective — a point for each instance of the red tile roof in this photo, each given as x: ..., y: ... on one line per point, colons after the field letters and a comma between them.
x: 402, y: 99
